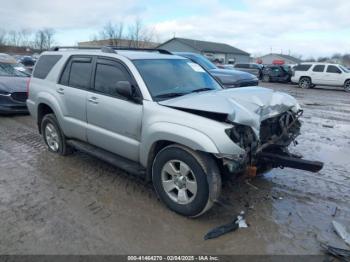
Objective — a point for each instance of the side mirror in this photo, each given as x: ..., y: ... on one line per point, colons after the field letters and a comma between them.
x: 124, y: 88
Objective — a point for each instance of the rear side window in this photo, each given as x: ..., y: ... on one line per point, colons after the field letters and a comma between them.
x: 318, y: 68
x: 77, y: 73
x: 333, y: 69
x: 44, y: 65
x: 302, y: 67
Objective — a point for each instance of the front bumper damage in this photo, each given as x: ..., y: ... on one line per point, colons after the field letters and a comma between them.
x: 270, y: 150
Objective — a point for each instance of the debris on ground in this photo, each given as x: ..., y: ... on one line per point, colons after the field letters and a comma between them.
x: 342, y: 232
x: 342, y: 254
x: 328, y: 126
x: 335, y: 210
x: 238, y: 222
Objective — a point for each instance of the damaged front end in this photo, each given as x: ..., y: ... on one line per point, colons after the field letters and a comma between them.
x: 270, y: 149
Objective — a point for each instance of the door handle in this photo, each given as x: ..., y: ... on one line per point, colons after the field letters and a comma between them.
x: 93, y: 100
x: 60, y: 90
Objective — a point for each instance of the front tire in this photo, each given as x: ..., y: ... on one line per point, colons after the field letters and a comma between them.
x: 305, y: 83
x: 347, y: 85
x: 180, y: 178
x: 53, y: 135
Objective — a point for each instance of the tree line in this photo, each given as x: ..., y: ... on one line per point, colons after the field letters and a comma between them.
x: 335, y: 58
x: 42, y: 39
x: 135, y: 34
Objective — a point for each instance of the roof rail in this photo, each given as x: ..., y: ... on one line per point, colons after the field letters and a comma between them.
x: 111, y: 49
x: 104, y: 49
x: 161, y: 51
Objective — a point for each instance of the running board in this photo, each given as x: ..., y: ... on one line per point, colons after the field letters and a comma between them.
x: 280, y: 160
x: 113, y: 159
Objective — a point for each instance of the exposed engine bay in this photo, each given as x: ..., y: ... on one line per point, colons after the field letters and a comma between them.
x: 271, y: 149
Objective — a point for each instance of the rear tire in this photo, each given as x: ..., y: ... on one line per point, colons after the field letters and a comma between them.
x: 266, y: 78
x: 347, y: 85
x: 180, y: 177
x: 53, y: 136
x: 305, y: 83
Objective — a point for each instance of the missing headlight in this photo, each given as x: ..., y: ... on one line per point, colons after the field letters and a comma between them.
x: 243, y: 136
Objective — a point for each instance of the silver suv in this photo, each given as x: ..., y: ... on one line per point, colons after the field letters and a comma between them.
x: 163, y: 117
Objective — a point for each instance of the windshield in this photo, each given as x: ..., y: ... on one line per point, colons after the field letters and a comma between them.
x: 9, y: 70
x: 344, y: 69
x: 166, y: 78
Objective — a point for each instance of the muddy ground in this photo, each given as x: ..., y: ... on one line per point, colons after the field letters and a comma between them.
x: 80, y: 205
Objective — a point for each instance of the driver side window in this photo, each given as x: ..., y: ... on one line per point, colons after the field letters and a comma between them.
x: 108, y: 73
x: 333, y: 69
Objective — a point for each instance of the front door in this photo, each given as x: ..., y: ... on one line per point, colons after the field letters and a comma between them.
x: 113, y: 121
x: 334, y: 75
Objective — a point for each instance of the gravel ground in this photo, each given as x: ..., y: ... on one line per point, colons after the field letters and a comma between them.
x: 80, y: 205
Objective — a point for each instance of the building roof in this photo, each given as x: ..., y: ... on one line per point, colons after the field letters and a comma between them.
x: 206, y: 46
x: 289, y: 57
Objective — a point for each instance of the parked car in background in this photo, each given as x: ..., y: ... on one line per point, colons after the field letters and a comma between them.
x: 308, y: 75
x: 252, y: 68
x: 28, y: 62
x: 13, y: 89
x: 229, y: 78
x: 6, y: 58
x: 277, y: 73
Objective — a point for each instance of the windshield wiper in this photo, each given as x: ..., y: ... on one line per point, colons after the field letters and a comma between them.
x: 201, y: 89
x: 169, y: 95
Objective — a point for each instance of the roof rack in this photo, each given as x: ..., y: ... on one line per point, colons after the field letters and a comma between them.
x: 111, y: 49
x: 161, y: 51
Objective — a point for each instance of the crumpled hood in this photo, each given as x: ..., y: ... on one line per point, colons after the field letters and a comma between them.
x: 13, y: 84
x: 246, y: 106
x: 228, y: 76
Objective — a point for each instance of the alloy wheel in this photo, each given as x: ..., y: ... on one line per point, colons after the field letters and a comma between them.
x: 52, y: 138
x: 179, y: 182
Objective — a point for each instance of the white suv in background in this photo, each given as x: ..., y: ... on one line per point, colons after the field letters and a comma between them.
x: 307, y: 75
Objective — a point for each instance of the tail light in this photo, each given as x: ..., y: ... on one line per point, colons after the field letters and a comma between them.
x: 28, y: 83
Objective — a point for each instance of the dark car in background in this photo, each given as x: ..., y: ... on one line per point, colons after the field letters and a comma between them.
x: 229, y: 78
x: 277, y: 73
x: 13, y: 89
x: 28, y: 62
x: 252, y: 68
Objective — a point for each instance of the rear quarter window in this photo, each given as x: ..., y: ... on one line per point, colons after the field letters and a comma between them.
x: 302, y: 67
x: 44, y: 65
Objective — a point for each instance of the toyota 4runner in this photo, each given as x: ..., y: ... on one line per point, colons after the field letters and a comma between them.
x: 163, y: 117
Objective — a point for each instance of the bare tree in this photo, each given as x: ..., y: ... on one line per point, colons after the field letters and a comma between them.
x: 346, y: 59
x: 3, y: 35
x: 44, y: 39
x: 25, y: 37
x: 113, y: 32
x: 323, y: 59
x: 14, y: 38
x: 139, y: 35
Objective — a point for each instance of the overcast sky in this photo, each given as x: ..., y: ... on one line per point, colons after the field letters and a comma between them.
x: 305, y: 27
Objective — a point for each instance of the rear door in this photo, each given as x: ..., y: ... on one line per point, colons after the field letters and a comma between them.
x: 334, y: 75
x: 72, y: 90
x: 318, y: 76
x: 114, y: 122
